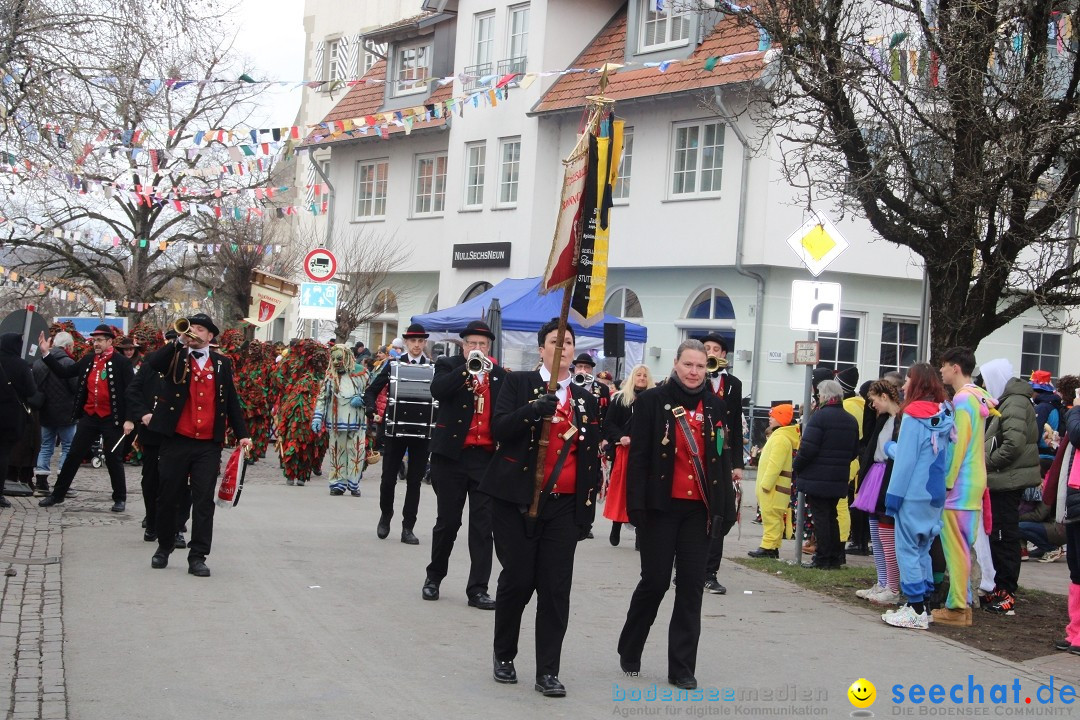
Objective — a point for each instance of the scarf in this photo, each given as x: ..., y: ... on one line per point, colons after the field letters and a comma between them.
x: 687, y: 397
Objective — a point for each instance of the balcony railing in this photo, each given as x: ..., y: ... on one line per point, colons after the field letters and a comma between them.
x: 473, y: 74
x: 511, y: 65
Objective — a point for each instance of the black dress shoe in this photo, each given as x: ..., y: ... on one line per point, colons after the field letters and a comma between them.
x: 49, y: 501
x: 149, y: 535
x: 159, y: 560
x: 198, y: 568
x: 550, y: 686
x: 383, y: 528
x: 503, y: 672
x: 118, y: 506
x: 630, y: 668
x: 616, y: 531
x: 482, y: 601
x: 408, y: 538
x: 180, y: 543
x: 430, y: 591
x: 684, y: 683
x: 4, y: 502
x: 764, y: 553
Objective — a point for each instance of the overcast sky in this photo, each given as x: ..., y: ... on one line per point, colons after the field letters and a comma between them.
x: 270, y: 33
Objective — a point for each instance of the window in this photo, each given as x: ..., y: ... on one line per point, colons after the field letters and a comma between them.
x: 333, y: 61
x: 371, y: 176
x: 430, y: 184
x: 899, y: 345
x: 484, y: 38
x: 413, y: 69
x: 622, y: 185
x: 384, y: 324
x: 518, y: 40
x: 1040, y: 351
x: 711, y: 304
x: 370, y: 59
x: 476, y: 289
x: 697, y: 159
x: 434, y: 306
x: 664, y: 29
x: 841, y: 350
x: 509, y: 167
x: 475, y: 160
x: 623, y: 303
x: 385, y: 303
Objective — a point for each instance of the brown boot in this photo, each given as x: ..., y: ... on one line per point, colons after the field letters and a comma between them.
x: 960, y: 617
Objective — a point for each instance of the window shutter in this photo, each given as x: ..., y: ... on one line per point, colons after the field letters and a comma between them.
x: 312, y: 178
x: 320, y: 50
x: 354, y: 67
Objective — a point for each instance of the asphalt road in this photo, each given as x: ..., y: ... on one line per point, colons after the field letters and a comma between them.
x: 308, y: 614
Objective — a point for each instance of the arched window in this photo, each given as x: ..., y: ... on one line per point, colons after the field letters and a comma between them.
x: 385, y: 302
x: 434, y: 306
x: 710, y: 311
x: 624, y: 303
x: 476, y: 289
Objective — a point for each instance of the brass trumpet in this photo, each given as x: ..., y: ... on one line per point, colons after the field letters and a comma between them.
x: 582, y: 379
x: 183, y: 327
x: 715, y: 364
x: 478, y: 362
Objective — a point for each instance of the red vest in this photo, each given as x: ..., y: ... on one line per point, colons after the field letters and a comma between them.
x: 97, y: 387
x: 197, y: 417
x: 480, y: 428
x: 566, y: 483
x: 684, y: 483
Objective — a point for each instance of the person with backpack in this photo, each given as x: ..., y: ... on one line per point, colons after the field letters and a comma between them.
x: 1049, y: 416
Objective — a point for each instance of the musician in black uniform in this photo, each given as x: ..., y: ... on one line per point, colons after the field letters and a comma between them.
x: 678, y: 495
x: 198, y: 399
x: 538, y: 554
x: 461, y: 449
x: 142, y: 397
x: 584, y: 365
x: 728, y: 388
x: 100, y: 408
x: 396, y: 447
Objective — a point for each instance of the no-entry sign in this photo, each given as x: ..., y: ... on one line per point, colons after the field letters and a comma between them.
x: 320, y: 265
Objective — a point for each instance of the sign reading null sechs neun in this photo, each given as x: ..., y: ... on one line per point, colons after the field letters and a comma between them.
x: 482, y: 255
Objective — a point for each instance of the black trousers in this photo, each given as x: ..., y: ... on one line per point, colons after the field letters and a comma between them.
x: 1072, y: 551
x: 860, y: 527
x: 543, y: 563
x: 454, y: 481
x: 151, y: 488
x: 392, y: 456
x: 87, y: 430
x: 715, y: 555
x: 676, y: 537
x: 181, y: 459
x: 826, y: 530
x: 1005, y: 538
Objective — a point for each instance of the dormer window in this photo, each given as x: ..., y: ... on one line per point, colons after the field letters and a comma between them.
x: 412, y: 68
x: 664, y: 28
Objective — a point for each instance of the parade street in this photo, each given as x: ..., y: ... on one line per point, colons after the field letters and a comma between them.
x: 309, y: 615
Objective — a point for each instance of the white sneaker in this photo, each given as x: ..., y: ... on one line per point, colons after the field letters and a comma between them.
x: 1051, y: 555
x: 864, y: 594
x: 905, y: 617
x: 884, y: 597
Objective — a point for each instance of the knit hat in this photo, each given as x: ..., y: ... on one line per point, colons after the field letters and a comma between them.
x: 783, y: 413
x: 848, y: 379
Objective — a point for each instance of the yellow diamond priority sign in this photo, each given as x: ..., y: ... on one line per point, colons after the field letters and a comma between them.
x: 817, y: 243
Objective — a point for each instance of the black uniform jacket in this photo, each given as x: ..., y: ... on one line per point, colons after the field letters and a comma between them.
x: 170, y: 402
x: 119, y: 375
x: 451, y: 387
x: 516, y: 424
x: 142, y: 398
x: 652, y: 463
x: 734, y: 419
x: 382, y: 379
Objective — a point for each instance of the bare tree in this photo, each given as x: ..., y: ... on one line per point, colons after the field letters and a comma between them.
x: 100, y: 206
x: 952, y: 126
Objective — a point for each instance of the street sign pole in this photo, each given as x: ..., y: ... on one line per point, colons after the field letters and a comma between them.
x: 800, y: 497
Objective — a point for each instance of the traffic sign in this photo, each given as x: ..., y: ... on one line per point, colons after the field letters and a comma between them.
x: 815, y: 306
x: 817, y: 243
x: 320, y: 265
x: 318, y: 301
x: 807, y: 352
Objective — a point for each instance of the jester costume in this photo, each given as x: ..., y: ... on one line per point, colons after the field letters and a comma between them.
x: 340, y: 410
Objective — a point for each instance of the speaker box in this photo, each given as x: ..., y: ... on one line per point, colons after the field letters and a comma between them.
x: 614, y: 340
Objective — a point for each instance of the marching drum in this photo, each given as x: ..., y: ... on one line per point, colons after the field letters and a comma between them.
x: 410, y: 409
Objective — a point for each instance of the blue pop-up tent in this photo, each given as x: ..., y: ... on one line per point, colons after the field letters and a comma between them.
x: 524, y: 310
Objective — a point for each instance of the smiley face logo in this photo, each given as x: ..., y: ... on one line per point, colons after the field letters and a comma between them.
x: 862, y: 693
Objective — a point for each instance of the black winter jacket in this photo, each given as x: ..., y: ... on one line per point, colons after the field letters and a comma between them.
x: 60, y: 393
x: 16, y: 385
x: 450, y: 386
x: 830, y: 441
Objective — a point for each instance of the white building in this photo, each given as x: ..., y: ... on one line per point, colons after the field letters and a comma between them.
x: 690, y: 198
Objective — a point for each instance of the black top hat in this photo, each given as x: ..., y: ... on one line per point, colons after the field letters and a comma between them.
x: 204, y: 320
x: 718, y: 339
x: 105, y: 330
x: 585, y: 359
x: 416, y: 330
x: 477, y: 327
